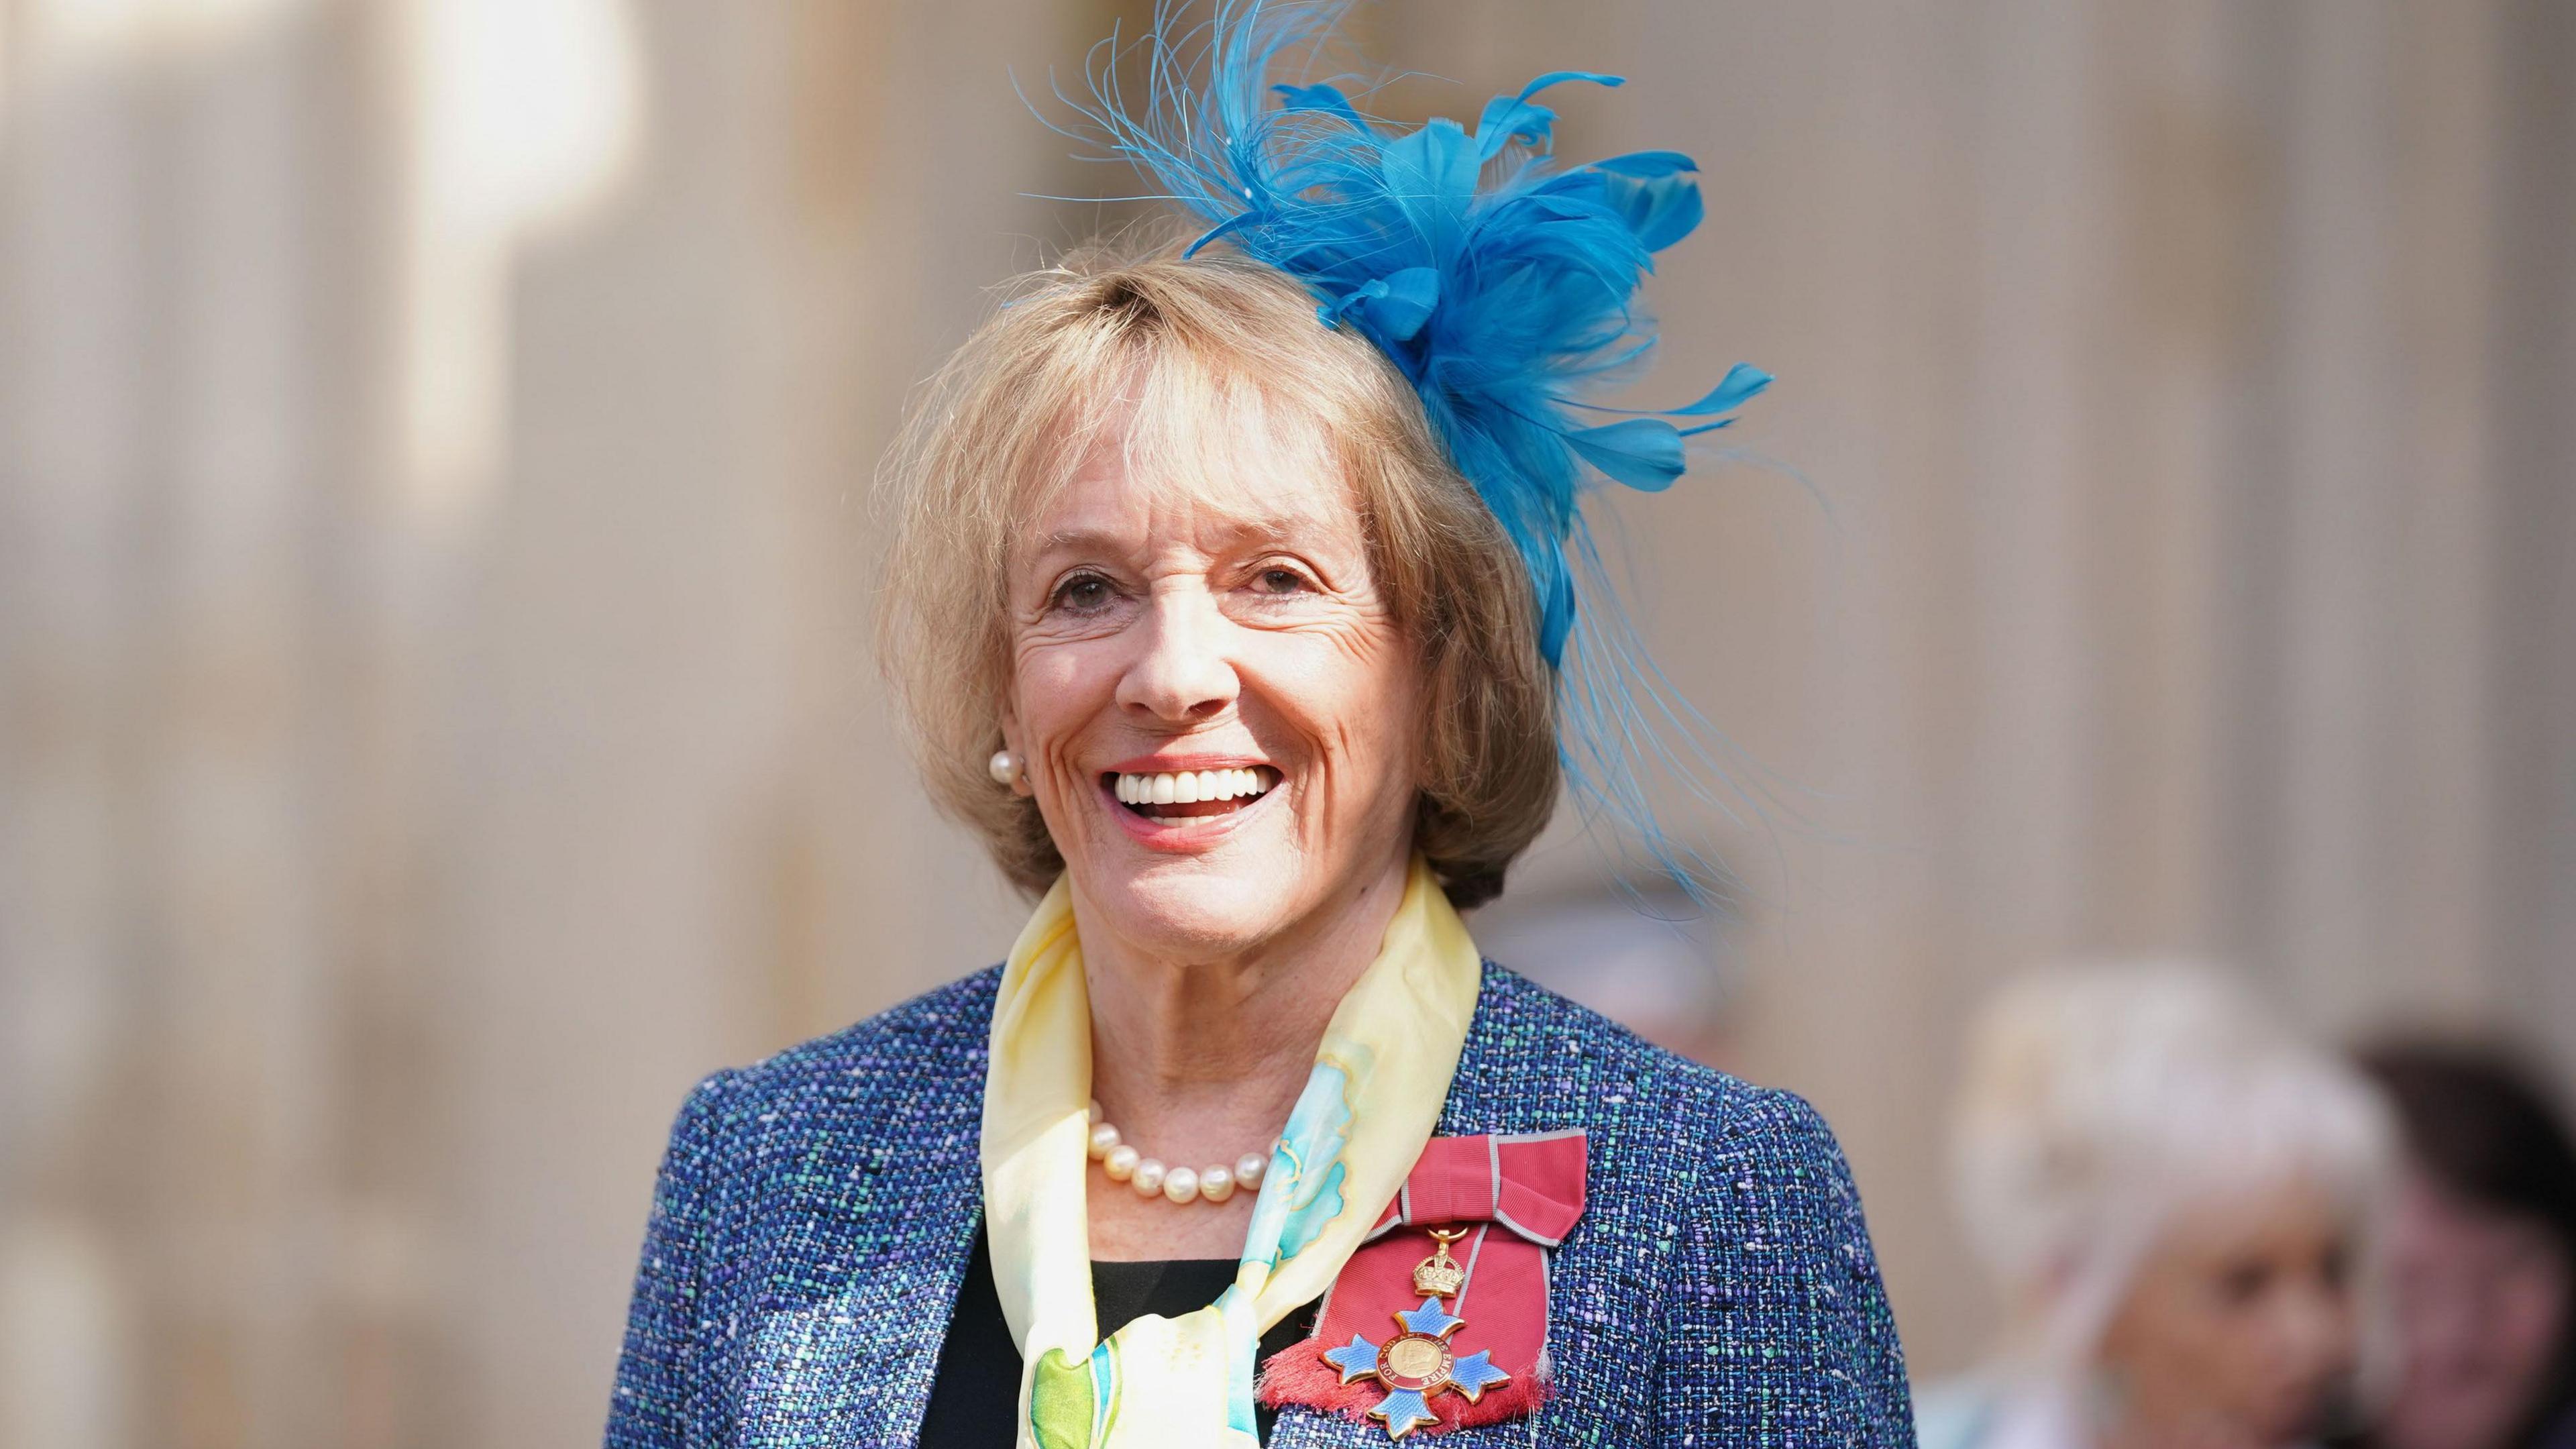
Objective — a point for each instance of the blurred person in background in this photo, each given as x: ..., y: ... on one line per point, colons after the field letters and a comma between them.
x: 1235, y: 629
x: 2482, y: 1254
x: 2177, y: 1203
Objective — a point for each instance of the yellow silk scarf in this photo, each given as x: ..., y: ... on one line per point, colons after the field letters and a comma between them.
x: 1367, y: 1109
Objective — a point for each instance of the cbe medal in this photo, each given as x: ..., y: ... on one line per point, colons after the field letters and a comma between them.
x: 1493, y: 1206
x: 1417, y: 1365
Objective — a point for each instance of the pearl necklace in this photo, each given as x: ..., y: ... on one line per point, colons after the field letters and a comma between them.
x: 1181, y: 1185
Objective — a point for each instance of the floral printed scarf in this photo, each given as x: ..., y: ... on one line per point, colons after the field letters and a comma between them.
x: 1358, y: 1127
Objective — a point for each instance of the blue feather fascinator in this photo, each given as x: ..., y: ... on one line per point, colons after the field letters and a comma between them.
x: 1502, y: 283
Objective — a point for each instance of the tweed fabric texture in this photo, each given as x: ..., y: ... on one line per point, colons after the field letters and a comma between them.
x: 812, y: 1218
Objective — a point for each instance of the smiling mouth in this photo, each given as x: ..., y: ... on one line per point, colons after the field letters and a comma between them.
x: 1192, y: 794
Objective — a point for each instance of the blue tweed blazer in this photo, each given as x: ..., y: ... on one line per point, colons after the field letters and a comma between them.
x: 812, y: 1220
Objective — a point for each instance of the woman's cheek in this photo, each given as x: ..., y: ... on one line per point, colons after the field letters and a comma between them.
x: 1055, y: 679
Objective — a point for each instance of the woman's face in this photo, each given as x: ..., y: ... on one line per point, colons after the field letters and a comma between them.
x: 2483, y: 1303
x: 1219, y: 715
x: 2239, y: 1326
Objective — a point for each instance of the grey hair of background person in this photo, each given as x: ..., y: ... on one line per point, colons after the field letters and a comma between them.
x: 2099, y: 1101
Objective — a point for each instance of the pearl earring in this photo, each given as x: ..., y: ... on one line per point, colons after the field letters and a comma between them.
x: 1004, y: 767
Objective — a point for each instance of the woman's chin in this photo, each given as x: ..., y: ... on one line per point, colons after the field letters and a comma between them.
x: 1212, y: 905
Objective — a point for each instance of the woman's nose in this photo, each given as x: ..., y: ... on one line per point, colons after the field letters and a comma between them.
x: 1182, y: 675
x: 2318, y: 1329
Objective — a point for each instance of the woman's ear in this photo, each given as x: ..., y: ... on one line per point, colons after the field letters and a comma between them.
x: 1019, y: 782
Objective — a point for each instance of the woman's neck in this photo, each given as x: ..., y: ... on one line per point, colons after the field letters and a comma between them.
x: 1199, y: 1058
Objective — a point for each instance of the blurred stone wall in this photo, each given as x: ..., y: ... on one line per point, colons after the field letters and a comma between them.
x: 435, y: 717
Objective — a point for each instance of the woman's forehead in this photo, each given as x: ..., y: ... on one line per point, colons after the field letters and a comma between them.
x: 1137, y: 508
x: 1256, y: 472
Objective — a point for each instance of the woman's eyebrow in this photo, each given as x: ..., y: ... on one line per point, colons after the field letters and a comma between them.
x: 1079, y: 540
x: 1244, y: 532
x: 1272, y: 530
x: 1276, y: 526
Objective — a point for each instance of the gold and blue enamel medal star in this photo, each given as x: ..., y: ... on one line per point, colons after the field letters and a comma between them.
x: 1417, y: 1365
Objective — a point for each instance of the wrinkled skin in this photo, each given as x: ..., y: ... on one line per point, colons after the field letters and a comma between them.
x: 1226, y: 620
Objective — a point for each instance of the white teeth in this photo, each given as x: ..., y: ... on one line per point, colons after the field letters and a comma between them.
x: 1188, y: 787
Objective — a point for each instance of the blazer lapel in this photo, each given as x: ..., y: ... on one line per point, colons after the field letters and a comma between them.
x: 886, y: 1195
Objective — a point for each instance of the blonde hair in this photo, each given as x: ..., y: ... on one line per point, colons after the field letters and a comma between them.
x: 1012, y: 413
x: 2099, y: 1100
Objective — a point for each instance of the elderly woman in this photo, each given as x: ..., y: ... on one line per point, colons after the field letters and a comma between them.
x: 1228, y: 597
x: 2176, y: 1203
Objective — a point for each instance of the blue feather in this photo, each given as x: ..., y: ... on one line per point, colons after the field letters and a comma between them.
x: 1647, y: 164
x: 1398, y: 304
x: 1514, y: 118
x: 1644, y: 453
x: 1502, y: 283
x: 1743, y: 383
x: 1326, y: 98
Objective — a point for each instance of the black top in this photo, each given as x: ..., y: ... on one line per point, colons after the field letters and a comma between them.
x: 977, y: 1394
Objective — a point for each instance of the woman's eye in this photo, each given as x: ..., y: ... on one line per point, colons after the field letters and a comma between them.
x: 1082, y: 594
x: 2242, y: 1283
x: 1280, y: 580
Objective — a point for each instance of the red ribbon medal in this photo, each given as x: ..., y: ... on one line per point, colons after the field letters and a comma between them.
x: 1439, y: 1320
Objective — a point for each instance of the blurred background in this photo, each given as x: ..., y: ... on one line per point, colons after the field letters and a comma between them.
x: 436, y: 720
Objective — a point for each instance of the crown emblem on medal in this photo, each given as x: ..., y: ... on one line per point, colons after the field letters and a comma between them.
x: 1440, y: 1276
